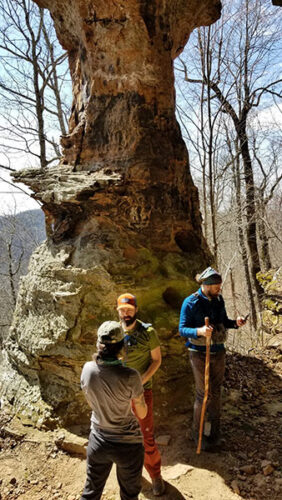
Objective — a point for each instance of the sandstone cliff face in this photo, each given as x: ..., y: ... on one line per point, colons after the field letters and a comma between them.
x: 122, y: 213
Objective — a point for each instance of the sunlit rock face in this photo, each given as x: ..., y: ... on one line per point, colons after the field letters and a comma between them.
x: 122, y: 213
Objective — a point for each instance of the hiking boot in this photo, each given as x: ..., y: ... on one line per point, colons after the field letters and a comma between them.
x: 158, y: 486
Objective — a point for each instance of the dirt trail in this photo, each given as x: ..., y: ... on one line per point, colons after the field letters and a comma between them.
x: 32, y: 467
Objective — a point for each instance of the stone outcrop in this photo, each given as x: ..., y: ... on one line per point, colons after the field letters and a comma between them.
x: 271, y: 282
x: 122, y: 213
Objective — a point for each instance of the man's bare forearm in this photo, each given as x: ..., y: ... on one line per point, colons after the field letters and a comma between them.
x: 140, y: 407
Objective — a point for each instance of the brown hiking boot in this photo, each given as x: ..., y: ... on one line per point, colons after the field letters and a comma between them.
x: 158, y: 486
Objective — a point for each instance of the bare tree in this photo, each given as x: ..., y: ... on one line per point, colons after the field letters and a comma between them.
x: 206, y: 141
x: 239, y: 204
x: 269, y: 176
x: 34, y: 90
x: 243, y: 47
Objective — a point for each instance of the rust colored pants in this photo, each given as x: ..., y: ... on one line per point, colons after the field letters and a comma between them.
x: 152, y: 459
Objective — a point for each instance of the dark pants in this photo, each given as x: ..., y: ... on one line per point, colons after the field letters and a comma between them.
x: 152, y: 461
x: 100, y: 457
x: 217, y: 369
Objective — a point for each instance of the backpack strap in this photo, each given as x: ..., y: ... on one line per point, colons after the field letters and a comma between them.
x: 145, y: 325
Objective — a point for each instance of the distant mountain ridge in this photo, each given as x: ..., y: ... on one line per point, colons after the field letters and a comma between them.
x: 20, y: 235
x: 23, y: 231
x: 31, y: 220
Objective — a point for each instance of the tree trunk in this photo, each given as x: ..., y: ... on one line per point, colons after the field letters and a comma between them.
x: 203, y: 164
x: 11, y: 273
x: 240, y: 225
x: 54, y: 83
x: 122, y: 210
x: 240, y: 127
x: 206, y: 62
x: 234, y: 302
x: 211, y: 170
x: 38, y: 94
x: 233, y: 294
x: 264, y: 246
x: 250, y: 206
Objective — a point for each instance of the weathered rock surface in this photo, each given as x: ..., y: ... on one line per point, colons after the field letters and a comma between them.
x: 121, y: 209
x: 272, y: 306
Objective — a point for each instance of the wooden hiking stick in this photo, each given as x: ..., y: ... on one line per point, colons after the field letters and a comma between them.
x: 207, y: 376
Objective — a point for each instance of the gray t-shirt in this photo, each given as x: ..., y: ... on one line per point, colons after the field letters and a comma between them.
x: 109, y: 390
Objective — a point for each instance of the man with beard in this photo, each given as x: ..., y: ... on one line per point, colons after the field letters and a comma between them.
x: 143, y: 353
x: 207, y: 302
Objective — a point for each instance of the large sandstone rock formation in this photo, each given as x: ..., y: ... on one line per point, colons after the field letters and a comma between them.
x: 121, y: 209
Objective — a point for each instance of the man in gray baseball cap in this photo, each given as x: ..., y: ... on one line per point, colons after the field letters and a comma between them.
x: 115, y: 437
x: 207, y: 302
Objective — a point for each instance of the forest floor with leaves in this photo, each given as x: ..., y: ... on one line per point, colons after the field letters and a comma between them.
x: 34, y: 467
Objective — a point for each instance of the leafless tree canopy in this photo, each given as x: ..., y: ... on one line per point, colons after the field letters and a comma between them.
x: 229, y: 105
x: 34, y: 86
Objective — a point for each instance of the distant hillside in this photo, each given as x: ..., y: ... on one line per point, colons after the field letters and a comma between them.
x: 31, y: 220
x: 22, y: 232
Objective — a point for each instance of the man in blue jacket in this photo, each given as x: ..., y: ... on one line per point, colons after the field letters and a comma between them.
x: 207, y: 302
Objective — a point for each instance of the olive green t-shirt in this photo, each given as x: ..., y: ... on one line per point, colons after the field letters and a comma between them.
x: 138, y: 345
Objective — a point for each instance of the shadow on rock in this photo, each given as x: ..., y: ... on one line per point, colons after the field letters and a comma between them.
x: 171, y: 492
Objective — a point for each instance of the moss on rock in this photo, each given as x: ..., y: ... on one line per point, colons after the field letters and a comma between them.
x: 272, y: 303
x: 52, y: 338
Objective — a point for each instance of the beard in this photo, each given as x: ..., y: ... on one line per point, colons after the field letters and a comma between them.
x: 129, y: 320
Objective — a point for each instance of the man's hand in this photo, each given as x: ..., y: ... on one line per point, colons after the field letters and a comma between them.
x: 240, y: 321
x: 204, y: 331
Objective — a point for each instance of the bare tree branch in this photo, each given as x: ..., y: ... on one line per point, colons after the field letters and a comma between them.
x: 8, y: 168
